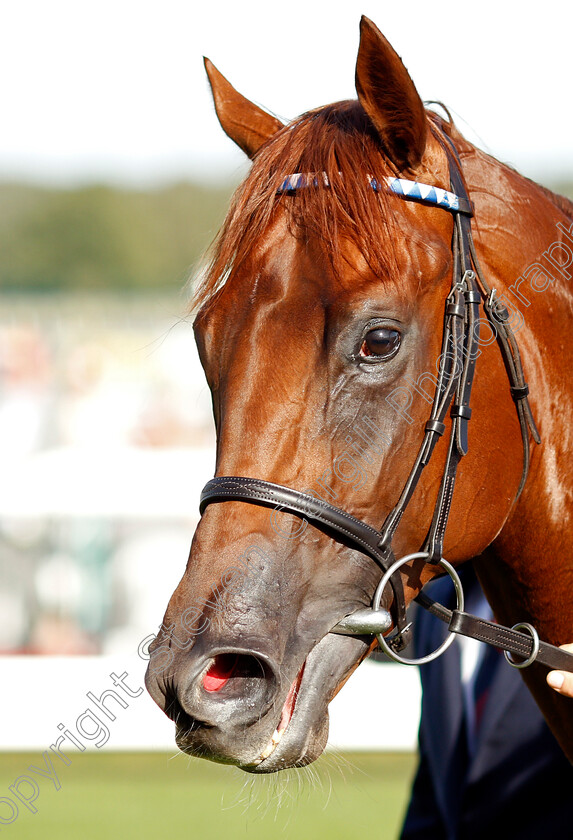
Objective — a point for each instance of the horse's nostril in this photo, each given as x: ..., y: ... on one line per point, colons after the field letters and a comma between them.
x: 237, y: 673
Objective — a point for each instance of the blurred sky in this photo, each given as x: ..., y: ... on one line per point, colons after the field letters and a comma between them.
x: 115, y: 90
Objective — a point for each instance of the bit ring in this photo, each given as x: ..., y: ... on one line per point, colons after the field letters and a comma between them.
x: 378, y: 597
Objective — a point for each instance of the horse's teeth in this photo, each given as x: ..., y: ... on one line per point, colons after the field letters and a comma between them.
x: 268, y: 750
x: 271, y: 745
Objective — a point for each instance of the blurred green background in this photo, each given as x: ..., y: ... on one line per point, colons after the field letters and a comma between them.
x: 150, y: 795
x: 101, y: 237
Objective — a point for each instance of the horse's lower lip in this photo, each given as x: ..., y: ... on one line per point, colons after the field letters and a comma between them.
x: 285, y: 718
x: 305, y: 734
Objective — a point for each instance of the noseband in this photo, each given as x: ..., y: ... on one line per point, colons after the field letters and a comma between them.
x: 460, y: 338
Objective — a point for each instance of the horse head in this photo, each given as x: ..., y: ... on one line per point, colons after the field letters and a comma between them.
x: 320, y: 331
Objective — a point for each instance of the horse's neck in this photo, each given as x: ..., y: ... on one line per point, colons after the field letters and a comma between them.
x: 524, y: 235
x: 563, y: 204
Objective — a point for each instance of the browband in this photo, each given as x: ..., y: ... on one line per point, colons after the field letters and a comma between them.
x: 413, y: 190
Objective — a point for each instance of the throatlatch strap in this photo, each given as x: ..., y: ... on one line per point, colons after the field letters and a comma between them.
x: 498, y: 317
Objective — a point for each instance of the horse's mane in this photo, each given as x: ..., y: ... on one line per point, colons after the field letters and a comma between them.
x: 338, y: 140
x: 449, y: 127
x: 562, y: 203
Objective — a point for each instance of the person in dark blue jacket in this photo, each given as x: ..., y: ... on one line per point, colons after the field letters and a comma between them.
x: 488, y: 765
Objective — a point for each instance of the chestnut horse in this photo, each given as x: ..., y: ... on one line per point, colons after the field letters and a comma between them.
x: 320, y: 330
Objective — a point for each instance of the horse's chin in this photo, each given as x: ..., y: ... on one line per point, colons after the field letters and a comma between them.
x: 298, y: 735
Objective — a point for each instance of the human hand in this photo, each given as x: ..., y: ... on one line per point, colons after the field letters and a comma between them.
x: 562, y: 681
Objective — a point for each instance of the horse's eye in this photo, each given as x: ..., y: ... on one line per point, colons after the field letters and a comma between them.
x: 381, y: 343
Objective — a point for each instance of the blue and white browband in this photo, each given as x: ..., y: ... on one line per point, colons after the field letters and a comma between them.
x: 412, y: 190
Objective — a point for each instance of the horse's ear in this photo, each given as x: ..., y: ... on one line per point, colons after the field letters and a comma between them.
x: 243, y: 121
x: 387, y: 94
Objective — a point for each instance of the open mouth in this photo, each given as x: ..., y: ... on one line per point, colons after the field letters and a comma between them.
x: 286, y: 716
x: 220, y: 672
x: 300, y: 730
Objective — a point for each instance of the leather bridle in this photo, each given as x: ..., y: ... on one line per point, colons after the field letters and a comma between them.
x: 460, y: 350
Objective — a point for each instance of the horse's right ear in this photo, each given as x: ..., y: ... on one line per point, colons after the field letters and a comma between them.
x: 243, y: 121
x: 389, y: 97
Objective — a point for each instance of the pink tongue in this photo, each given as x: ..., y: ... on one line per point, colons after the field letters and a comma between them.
x: 219, y: 673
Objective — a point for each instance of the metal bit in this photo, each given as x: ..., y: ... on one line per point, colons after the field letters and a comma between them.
x: 365, y: 622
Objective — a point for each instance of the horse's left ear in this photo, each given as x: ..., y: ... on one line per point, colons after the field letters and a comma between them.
x: 389, y: 97
x: 243, y: 121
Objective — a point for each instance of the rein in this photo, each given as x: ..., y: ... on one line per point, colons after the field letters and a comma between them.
x: 460, y: 350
